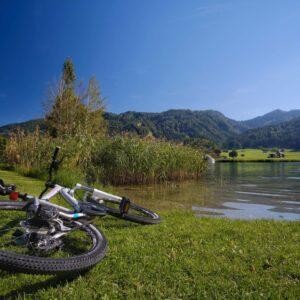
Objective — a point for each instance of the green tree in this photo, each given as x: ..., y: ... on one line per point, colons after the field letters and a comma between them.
x: 233, y: 154
x: 217, y: 152
x: 71, y: 113
x: 95, y: 122
x: 69, y: 75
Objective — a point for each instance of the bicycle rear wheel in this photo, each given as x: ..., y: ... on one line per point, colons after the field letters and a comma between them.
x: 81, y: 248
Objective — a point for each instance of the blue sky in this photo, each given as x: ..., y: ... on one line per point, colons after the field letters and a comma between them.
x: 239, y: 57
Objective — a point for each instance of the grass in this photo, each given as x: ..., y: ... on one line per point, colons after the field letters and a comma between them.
x: 132, y: 160
x: 256, y: 155
x: 184, y: 257
x: 108, y: 160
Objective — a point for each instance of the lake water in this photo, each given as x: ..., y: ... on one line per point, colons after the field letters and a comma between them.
x: 233, y: 190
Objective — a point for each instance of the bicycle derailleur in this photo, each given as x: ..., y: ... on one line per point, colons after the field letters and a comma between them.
x: 42, y: 230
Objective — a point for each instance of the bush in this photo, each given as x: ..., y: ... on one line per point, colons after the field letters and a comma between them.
x: 122, y: 160
x: 118, y: 160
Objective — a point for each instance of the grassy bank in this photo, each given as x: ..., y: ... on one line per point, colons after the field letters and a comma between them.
x: 257, y: 155
x: 184, y: 257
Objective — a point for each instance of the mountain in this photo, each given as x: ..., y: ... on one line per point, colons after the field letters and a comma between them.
x: 285, y: 135
x: 277, y: 128
x: 27, y: 126
x: 272, y: 118
x: 177, y: 125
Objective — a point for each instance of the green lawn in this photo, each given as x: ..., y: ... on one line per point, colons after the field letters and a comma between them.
x: 259, y: 155
x: 184, y: 257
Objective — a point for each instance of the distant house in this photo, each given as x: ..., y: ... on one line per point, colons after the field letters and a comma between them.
x: 280, y: 153
x: 277, y: 154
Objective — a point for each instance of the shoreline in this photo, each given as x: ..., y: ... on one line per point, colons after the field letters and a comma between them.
x: 255, y: 160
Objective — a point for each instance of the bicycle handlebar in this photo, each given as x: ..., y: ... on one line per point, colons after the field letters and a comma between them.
x: 54, y: 163
x: 54, y: 157
x: 53, y: 167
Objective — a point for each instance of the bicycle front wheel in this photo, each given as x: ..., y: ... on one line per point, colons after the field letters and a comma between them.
x: 134, y: 213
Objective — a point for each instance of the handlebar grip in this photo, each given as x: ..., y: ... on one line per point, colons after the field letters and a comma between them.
x: 55, y: 153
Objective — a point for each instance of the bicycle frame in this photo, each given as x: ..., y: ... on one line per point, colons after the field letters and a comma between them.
x: 69, y: 195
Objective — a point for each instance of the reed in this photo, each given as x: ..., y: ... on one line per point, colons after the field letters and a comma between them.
x: 116, y: 160
x: 128, y: 160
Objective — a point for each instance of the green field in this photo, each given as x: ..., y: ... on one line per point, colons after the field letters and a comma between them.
x: 184, y: 257
x: 259, y: 155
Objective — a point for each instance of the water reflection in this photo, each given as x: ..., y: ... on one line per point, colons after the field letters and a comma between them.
x: 234, y: 190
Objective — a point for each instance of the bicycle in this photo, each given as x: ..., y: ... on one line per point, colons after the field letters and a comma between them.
x: 48, y: 226
x: 96, y: 202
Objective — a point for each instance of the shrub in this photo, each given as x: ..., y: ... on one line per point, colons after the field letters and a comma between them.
x: 123, y: 160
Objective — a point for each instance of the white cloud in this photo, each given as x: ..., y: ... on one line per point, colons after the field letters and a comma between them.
x: 205, y: 10
x: 244, y: 90
x: 211, y: 9
x: 136, y: 96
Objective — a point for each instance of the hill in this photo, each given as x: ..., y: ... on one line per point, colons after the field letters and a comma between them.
x: 176, y: 125
x: 285, y: 135
x: 27, y: 126
x: 272, y: 118
x: 277, y: 128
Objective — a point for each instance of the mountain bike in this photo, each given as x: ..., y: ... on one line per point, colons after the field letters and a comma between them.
x: 43, y: 237
x: 95, y: 202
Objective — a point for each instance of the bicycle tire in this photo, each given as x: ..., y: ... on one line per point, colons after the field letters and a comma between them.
x: 42, y: 265
x: 148, y: 217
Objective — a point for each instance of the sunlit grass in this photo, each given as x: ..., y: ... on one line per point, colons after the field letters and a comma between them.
x: 183, y: 257
x: 259, y: 155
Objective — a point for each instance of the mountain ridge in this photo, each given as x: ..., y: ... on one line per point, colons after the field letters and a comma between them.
x: 185, y: 124
x: 284, y: 135
x: 272, y: 118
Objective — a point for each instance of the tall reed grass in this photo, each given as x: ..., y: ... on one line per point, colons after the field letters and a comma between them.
x: 129, y: 160
x: 116, y: 160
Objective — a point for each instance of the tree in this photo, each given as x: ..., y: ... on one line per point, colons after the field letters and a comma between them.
x: 233, y: 154
x: 69, y: 75
x: 217, y: 152
x: 95, y: 108
x: 70, y: 113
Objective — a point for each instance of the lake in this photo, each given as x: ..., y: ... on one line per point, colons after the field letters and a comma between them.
x: 233, y: 190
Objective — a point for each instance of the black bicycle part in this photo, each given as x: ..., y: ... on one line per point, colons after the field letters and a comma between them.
x: 6, y: 189
x: 126, y: 209
x: 55, y: 163
x: 124, y: 205
x: 45, y: 220
x: 92, y: 209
